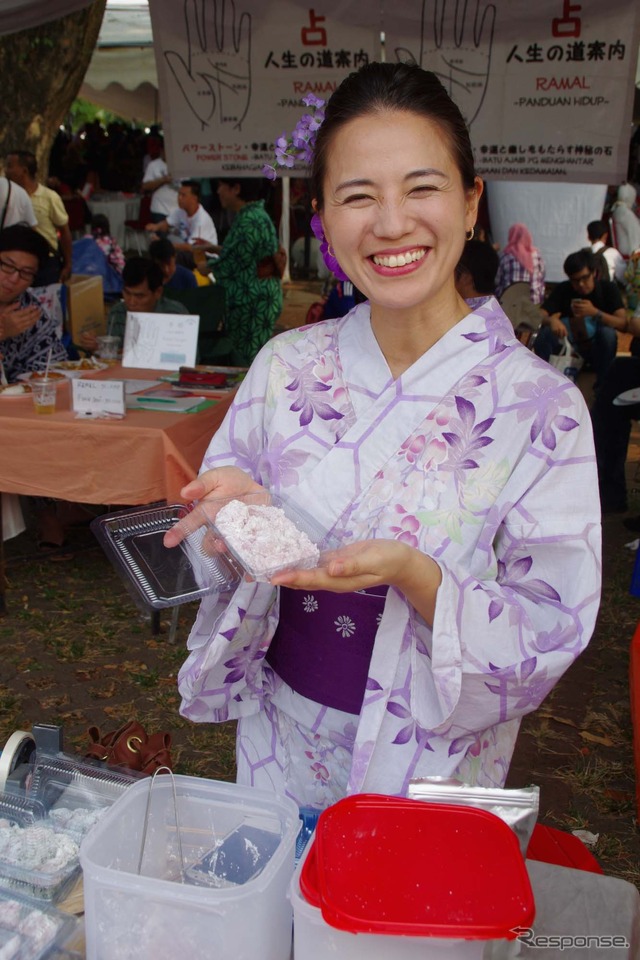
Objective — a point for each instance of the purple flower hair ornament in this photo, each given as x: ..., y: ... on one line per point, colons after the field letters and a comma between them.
x: 328, y: 257
x: 299, y: 147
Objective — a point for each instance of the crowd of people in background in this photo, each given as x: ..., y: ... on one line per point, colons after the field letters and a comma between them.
x: 228, y: 226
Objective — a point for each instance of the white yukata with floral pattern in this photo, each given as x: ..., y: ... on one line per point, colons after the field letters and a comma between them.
x: 479, y: 455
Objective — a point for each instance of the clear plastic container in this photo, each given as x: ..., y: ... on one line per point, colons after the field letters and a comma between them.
x: 75, y: 793
x: 35, y: 859
x: 143, y: 897
x: 160, y: 576
x: 31, y: 931
x: 390, y: 877
x: 273, y: 534
x: 206, y: 560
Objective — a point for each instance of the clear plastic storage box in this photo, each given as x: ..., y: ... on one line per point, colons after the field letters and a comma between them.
x: 31, y: 930
x: 202, y: 872
x: 386, y: 877
x: 207, y: 559
x: 75, y: 793
x: 36, y: 858
x: 272, y: 534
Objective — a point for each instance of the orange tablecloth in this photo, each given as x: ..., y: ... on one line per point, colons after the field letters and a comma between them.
x: 147, y: 456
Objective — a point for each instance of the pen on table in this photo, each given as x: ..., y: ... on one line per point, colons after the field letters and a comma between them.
x: 155, y: 400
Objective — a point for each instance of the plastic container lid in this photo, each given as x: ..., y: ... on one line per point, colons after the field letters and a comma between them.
x: 160, y: 576
x: 394, y: 866
x: 75, y: 792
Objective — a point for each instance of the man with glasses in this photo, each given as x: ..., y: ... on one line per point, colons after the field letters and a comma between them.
x: 587, y: 311
x: 27, y: 332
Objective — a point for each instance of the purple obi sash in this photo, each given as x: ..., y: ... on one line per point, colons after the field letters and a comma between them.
x: 323, y: 643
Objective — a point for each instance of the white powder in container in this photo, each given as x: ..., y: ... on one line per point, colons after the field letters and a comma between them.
x: 264, y: 539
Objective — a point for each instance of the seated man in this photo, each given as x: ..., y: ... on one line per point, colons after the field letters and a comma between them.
x: 28, y: 336
x: 174, y: 276
x: 142, y: 292
x: 189, y: 225
x: 587, y: 311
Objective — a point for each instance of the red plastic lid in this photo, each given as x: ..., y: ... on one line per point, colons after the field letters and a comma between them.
x: 393, y: 866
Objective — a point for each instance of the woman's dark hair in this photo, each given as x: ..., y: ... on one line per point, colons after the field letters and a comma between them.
x: 392, y: 86
x: 481, y: 261
x: 251, y: 188
x: 100, y: 224
x: 23, y: 238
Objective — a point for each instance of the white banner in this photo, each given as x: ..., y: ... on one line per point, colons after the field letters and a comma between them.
x: 547, y: 88
x: 232, y: 73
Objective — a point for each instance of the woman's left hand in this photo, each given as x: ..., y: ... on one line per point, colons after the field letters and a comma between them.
x: 371, y: 563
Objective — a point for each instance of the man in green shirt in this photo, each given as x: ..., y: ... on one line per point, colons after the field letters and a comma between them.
x: 142, y: 293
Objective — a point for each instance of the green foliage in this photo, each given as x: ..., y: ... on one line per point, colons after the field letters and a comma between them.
x: 83, y: 111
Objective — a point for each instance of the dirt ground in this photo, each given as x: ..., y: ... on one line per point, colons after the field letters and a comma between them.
x: 78, y: 652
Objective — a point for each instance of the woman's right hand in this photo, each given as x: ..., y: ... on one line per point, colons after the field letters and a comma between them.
x: 210, y: 485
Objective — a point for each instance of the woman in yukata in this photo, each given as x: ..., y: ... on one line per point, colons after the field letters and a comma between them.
x: 456, y: 468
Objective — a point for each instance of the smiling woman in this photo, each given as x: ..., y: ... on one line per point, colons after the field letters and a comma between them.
x: 441, y: 453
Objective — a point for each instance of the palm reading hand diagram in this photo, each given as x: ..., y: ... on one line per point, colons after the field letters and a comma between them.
x: 456, y: 37
x: 215, y: 74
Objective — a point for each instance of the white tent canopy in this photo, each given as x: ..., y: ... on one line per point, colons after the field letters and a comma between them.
x: 122, y: 74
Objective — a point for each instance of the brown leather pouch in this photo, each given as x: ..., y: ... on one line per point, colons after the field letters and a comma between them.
x: 130, y: 746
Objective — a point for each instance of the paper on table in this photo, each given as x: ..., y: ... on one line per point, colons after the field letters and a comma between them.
x: 138, y: 386
x: 160, y: 341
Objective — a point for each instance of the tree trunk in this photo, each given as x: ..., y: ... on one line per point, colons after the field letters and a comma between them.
x: 42, y: 70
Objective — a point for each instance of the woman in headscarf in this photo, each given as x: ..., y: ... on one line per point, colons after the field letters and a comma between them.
x: 520, y: 262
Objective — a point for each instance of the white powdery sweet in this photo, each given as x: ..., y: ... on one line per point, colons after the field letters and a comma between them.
x: 264, y: 539
x: 36, y: 847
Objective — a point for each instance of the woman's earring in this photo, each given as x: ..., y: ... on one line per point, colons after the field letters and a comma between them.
x: 330, y: 251
x: 470, y: 235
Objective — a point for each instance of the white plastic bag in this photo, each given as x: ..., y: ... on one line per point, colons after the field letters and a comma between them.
x: 567, y: 361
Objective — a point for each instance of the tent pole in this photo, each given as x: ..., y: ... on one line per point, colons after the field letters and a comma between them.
x: 285, y: 225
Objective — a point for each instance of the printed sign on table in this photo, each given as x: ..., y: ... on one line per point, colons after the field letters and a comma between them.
x: 547, y: 88
x: 94, y: 398
x: 160, y: 341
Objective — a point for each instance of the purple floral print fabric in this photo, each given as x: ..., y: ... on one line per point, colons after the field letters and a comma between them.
x: 480, y: 455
